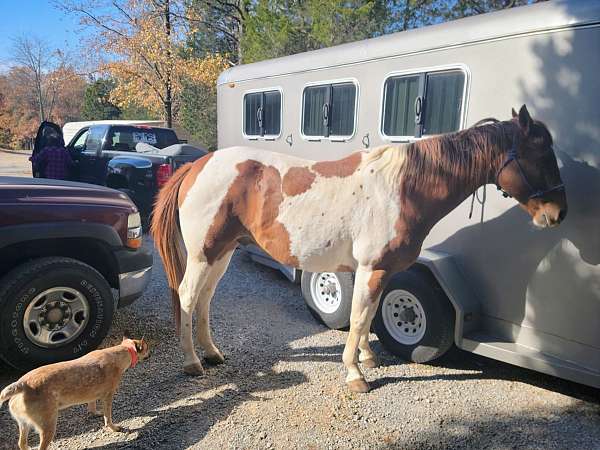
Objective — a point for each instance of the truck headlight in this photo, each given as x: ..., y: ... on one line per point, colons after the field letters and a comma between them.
x: 134, y: 231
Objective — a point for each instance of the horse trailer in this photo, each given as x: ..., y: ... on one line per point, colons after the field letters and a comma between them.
x: 524, y: 296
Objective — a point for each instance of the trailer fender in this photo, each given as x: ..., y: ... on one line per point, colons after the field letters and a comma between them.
x: 456, y: 287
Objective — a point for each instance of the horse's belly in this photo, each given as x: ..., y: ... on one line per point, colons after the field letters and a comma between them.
x: 328, y: 258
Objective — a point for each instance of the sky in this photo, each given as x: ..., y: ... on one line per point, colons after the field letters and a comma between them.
x: 39, y: 18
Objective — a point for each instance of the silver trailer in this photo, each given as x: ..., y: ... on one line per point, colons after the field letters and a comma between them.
x: 513, y: 293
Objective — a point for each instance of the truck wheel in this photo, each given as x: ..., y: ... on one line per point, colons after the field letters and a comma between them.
x: 414, y: 319
x: 52, y: 309
x: 328, y: 296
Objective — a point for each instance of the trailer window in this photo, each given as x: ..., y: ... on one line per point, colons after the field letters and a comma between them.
x: 399, y: 110
x: 328, y: 111
x: 423, y: 103
x: 262, y: 114
x: 443, y: 102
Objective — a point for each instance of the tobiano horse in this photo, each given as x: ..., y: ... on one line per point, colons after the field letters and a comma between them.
x: 368, y: 213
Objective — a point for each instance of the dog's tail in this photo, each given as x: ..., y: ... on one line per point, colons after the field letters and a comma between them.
x: 167, y: 236
x: 11, y: 390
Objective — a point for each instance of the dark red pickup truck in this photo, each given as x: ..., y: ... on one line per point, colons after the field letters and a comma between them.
x: 70, y: 253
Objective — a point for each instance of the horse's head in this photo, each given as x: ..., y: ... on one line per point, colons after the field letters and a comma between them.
x: 530, y: 174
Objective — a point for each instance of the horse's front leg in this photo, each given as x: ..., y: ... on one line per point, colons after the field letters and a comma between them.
x: 367, y: 290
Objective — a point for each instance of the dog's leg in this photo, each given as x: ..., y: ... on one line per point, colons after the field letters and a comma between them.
x: 48, y: 431
x: 93, y: 409
x: 107, y: 404
x: 23, y: 435
x: 212, y: 355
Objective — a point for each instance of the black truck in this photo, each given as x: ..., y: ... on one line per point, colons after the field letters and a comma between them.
x: 137, y: 160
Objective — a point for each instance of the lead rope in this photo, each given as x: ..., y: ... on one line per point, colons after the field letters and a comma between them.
x: 481, y: 201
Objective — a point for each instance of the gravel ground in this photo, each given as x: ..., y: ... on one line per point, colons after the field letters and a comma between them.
x: 282, y: 387
x: 15, y: 164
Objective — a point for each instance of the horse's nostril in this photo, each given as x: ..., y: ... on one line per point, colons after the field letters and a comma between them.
x: 562, y: 214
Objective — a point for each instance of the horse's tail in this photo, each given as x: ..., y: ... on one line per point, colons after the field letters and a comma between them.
x: 167, y: 236
x: 11, y: 390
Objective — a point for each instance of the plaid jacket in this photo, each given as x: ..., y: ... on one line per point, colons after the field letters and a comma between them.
x: 53, y: 162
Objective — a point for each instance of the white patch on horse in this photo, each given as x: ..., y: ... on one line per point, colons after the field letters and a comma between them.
x: 343, y: 221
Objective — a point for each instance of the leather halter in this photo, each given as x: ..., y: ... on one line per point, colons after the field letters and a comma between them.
x: 534, y: 193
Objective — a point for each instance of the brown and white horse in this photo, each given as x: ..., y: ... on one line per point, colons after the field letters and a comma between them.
x: 367, y: 213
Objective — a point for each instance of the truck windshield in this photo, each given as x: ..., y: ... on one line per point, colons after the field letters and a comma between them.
x: 124, y: 139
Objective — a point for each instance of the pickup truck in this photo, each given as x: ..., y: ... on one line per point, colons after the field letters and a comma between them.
x: 137, y: 160
x: 70, y: 253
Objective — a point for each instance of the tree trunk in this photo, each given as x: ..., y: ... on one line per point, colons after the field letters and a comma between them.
x: 168, y: 94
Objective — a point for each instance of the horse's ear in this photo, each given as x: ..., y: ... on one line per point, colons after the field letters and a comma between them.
x: 525, y: 120
x: 514, y: 113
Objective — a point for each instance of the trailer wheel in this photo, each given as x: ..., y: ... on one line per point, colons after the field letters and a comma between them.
x: 414, y: 320
x: 328, y: 296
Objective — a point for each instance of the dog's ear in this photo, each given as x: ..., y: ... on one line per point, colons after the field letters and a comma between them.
x: 126, y: 335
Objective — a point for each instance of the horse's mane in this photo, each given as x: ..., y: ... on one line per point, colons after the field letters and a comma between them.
x: 456, y: 157
x: 386, y: 160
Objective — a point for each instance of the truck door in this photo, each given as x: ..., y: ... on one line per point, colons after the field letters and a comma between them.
x: 90, y: 167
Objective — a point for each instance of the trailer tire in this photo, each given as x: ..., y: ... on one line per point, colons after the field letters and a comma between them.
x: 328, y: 296
x: 415, y: 319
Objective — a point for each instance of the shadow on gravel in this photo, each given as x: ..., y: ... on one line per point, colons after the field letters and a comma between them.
x: 496, y: 431
x: 480, y: 368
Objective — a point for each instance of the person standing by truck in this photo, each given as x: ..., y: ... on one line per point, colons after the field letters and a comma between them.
x: 54, y: 160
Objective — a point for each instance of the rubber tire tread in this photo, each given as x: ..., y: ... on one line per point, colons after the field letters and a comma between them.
x: 439, y: 313
x: 19, y: 279
x: 339, y: 319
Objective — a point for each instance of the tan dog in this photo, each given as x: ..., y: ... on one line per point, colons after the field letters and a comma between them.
x: 37, y: 396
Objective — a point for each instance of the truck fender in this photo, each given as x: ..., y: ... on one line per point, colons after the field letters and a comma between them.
x: 15, y: 234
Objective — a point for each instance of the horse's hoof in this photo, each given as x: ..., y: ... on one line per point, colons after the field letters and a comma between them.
x: 370, y: 363
x: 359, y: 386
x: 214, y: 360
x: 194, y: 369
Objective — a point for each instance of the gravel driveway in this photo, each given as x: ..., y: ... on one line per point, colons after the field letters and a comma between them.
x: 282, y: 387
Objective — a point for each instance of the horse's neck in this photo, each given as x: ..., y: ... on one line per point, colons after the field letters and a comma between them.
x: 437, y: 201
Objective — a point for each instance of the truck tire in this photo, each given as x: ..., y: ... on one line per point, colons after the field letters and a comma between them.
x: 52, y: 309
x: 415, y: 319
x: 328, y: 296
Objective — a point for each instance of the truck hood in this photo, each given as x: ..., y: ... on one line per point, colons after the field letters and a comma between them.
x: 44, y: 191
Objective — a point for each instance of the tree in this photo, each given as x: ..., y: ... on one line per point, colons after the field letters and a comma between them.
x: 143, y: 43
x: 96, y: 102
x: 36, y: 60
x: 219, y: 25
x: 277, y: 28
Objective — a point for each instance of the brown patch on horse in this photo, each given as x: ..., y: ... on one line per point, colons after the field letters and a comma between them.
x: 341, y: 168
x: 190, y: 179
x: 297, y: 180
x: 376, y: 283
x: 251, y: 206
x: 343, y: 268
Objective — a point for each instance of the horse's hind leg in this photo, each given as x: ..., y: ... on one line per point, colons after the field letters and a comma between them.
x: 196, y: 274
x: 212, y: 355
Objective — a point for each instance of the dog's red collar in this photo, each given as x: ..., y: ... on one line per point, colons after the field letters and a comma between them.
x: 130, y: 345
